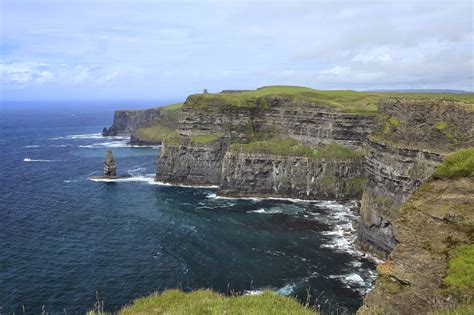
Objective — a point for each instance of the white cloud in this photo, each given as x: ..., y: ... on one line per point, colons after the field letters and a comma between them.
x: 18, y: 74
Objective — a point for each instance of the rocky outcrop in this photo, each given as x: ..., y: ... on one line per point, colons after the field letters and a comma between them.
x: 433, y: 224
x: 191, y: 163
x: 110, y: 169
x: 409, y: 140
x: 254, y: 174
x: 393, y: 174
x: 127, y: 121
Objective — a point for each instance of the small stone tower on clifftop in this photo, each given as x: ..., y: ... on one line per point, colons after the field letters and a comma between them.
x: 110, y: 169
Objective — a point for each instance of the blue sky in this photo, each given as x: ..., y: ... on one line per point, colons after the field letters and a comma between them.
x: 104, y: 49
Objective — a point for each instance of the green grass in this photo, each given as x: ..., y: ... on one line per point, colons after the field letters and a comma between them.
x: 291, y: 147
x: 208, y: 302
x: 460, y: 277
x: 174, y: 106
x: 457, y: 164
x: 155, y: 133
x: 441, y: 125
x: 206, y: 138
x: 341, y: 100
x: 394, y: 121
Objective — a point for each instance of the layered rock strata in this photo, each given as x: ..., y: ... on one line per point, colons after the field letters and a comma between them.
x: 191, y: 163
x: 310, y: 123
x: 254, y: 174
x: 409, y: 140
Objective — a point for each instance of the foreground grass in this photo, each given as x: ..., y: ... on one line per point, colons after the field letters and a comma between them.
x: 341, y: 100
x: 457, y: 164
x: 209, y: 302
x: 291, y: 147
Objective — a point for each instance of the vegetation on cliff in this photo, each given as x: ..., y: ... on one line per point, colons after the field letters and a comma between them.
x: 291, y: 147
x: 432, y: 267
x: 209, y: 302
x: 155, y: 133
x: 457, y: 164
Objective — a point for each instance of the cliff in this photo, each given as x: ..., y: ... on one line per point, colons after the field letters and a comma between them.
x: 432, y: 266
x: 191, y: 163
x: 209, y: 123
x: 245, y: 117
x: 409, y: 140
x: 127, y: 121
x: 295, y: 171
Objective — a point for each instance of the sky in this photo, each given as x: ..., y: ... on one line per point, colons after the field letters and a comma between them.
x: 135, y: 49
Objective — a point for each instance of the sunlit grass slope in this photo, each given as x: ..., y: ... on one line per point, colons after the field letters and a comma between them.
x: 208, y: 302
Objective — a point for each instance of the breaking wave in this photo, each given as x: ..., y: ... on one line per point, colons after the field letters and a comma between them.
x: 34, y: 160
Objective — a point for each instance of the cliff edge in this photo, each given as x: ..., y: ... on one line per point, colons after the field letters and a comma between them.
x: 431, y: 269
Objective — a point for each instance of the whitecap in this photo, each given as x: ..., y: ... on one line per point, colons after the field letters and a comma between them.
x: 185, y: 186
x: 33, y: 160
x: 253, y: 292
x: 215, y: 196
x: 355, y: 279
x: 58, y: 145
x: 262, y: 210
x: 67, y: 181
x: 124, y: 180
x: 135, y: 171
x: 84, y: 136
x: 32, y: 146
x: 287, y: 289
x: 108, y: 144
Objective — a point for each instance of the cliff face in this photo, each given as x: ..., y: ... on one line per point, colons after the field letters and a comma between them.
x: 127, y: 121
x: 312, y: 124
x: 406, y: 145
x: 191, y: 163
x: 432, y: 226
x: 250, y: 174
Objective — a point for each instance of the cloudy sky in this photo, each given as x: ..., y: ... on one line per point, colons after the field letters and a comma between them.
x: 104, y: 49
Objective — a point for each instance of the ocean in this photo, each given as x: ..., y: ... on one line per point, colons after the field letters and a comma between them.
x: 65, y: 239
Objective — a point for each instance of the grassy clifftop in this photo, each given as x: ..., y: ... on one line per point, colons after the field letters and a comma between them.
x: 208, y: 302
x: 340, y: 100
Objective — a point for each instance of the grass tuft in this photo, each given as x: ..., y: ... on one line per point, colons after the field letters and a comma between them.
x: 457, y: 164
x: 460, y: 277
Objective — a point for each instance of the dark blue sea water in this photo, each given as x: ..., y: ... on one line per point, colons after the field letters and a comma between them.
x: 64, y: 237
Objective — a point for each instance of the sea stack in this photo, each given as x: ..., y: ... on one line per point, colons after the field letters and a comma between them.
x: 110, y: 169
